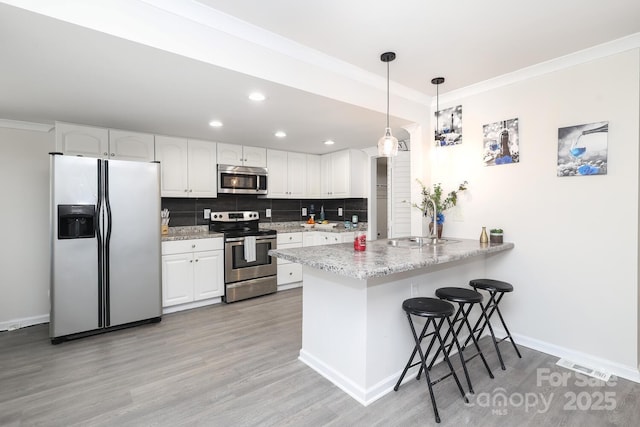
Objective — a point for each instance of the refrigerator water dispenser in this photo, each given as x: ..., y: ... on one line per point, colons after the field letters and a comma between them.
x: 76, y: 221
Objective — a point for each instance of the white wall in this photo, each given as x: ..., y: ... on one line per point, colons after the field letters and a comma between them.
x: 24, y: 217
x: 574, y: 267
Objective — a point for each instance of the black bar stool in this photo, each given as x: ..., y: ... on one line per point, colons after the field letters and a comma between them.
x: 466, y: 299
x: 431, y: 309
x: 494, y: 288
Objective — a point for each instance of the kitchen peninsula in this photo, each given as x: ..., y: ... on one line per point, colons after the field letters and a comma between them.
x: 354, y: 331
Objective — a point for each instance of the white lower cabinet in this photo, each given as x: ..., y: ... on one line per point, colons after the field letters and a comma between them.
x: 316, y: 238
x: 289, y: 272
x: 192, y: 270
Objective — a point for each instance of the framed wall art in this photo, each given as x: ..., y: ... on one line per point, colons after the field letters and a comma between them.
x: 582, y: 149
x: 501, y: 143
x: 449, y: 126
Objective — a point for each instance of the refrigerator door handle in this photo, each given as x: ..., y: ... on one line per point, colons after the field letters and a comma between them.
x: 107, y: 244
x: 100, y: 237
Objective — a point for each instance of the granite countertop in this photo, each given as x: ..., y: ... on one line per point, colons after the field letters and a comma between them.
x: 202, y: 231
x: 189, y: 233
x: 381, y: 259
x: 295, y: 227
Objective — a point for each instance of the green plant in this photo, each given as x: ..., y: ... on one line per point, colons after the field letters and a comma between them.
x: 442, y: 201
x: 496, y: 230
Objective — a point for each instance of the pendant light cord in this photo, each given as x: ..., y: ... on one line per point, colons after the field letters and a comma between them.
x: 387, y: 94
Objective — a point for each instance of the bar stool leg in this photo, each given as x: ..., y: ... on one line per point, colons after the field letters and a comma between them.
x: 504, y: 325
x: 447, y: 352
x: 475, y: 341
x: 415, y: 349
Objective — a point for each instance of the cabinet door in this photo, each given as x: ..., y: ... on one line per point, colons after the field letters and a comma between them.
x: 172, y: 154
x: 311, y: 238
x: 326, y: 183
x: 340, y: 174
x: 278, y: 182
x: 135, y: 146
x: 86, y: 141
x: 177, y: 279
x: 208, y: 274
x: 296, y: 175
x: 313, y: 184
x: 229, y: 154
x: 254, y: 156
x: 202, y: 169
x: 289, y: 273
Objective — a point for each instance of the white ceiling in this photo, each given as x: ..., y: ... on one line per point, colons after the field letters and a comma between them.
x: 55, y: 70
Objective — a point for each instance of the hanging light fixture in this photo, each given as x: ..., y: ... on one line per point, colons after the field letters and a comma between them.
x: 437, y: 81
x: 388, y: 144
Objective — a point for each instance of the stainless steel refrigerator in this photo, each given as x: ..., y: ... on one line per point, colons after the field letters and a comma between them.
x: 105, y: 245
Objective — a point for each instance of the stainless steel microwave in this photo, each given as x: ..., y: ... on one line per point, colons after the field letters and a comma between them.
x: 242, y: 180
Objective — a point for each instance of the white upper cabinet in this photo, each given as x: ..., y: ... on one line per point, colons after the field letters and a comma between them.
x: 343, y: 174
x: 202, y: 166
x: 241, y: 155
x: 125, y: 145
x: 286, y: 174
x: 188, y: 167
x: 86, y: 141
x: 89, y: 141
x: 313, y: 174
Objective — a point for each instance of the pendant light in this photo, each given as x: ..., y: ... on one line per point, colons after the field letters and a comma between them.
x: 437, y: 81
x: 388, y: 144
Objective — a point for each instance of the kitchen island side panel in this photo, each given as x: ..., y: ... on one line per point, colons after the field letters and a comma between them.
x: 355, y: 332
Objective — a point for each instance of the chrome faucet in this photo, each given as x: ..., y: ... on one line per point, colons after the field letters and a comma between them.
x: 434, y: 230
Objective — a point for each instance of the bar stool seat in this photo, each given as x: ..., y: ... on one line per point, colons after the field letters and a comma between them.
x: 436, y: 312
x: 496, y: 290
x: 466, y: 299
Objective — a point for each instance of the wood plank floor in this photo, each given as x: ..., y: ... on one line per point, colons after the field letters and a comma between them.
x: 236, y: 365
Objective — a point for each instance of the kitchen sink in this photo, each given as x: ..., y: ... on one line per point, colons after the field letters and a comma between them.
x: 419, y: 241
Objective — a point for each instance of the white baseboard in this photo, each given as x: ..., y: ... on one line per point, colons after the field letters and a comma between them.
x: 190, y: 305
x: 11, y: 325
x: 621, y: 371
x: 289, y: 286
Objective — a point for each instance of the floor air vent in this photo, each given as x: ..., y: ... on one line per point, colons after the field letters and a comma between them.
x: 601, y: 375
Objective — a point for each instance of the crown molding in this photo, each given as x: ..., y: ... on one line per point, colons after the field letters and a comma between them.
x: 16, y: 124
x: 576, y: 58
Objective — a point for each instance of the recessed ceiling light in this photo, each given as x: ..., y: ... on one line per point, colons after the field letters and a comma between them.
x: 329, y: 142
x: 280, y: 134
x: 257, y: 96
x: 215, y: 123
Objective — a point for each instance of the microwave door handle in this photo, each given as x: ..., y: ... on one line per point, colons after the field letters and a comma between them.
x: 258, y: 183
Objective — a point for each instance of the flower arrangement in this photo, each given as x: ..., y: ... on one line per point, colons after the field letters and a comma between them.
x: 441, y: 201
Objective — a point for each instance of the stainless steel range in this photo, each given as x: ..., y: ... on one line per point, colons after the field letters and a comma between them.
x: 249, y: 271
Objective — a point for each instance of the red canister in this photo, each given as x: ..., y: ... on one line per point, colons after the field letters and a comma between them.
x: 360, y: 241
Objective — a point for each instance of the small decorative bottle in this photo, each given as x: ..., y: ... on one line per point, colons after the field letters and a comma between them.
x: 483, y: 236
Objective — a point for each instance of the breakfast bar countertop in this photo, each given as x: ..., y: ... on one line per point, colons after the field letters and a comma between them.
x: 381, y: 258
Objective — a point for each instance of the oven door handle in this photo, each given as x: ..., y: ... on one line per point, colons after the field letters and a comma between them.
x: 241, y: 239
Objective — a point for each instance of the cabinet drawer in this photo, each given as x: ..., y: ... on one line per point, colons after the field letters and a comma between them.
x: 286, y: 238
x: 195, y: 245
x: 289, y: 273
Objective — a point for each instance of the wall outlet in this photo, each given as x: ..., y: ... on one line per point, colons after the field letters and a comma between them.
x: 304, y: 211
x: 207, y: 213
x: 339, y: 211
x: 268, y: 213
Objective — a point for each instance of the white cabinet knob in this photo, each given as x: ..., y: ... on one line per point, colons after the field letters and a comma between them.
x: 113, y: 154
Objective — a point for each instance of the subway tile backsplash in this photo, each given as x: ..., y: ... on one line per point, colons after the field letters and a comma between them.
x: 185, y: 212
